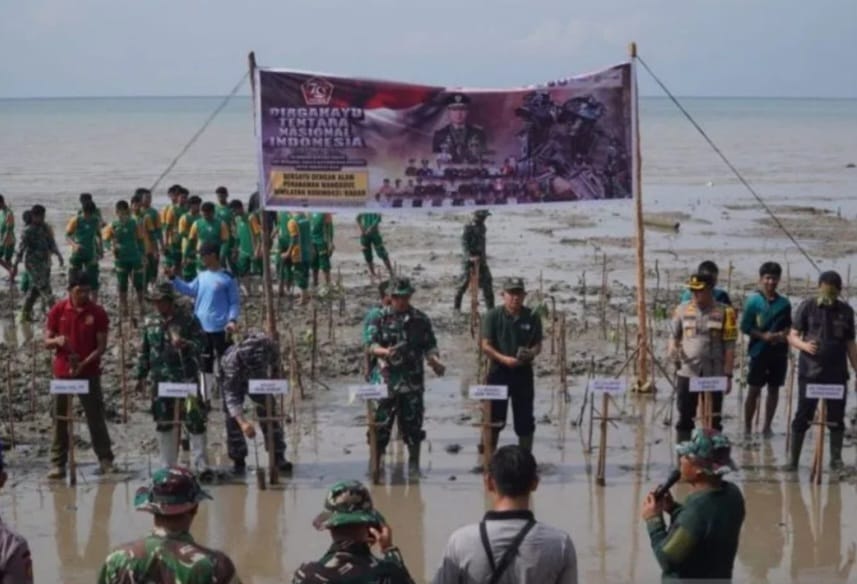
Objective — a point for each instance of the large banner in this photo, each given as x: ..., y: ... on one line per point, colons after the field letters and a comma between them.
x: 330, y: 143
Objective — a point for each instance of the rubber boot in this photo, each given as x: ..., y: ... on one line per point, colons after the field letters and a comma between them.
x: 414, y: 459
x: 837, y: 437
x: 526, y: 442
x: 794, y: 452
x: 168, y: 447
x: 198, y: 452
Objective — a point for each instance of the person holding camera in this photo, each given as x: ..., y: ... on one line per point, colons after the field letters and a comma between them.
x: 512, y: 339
x: 355, y: 526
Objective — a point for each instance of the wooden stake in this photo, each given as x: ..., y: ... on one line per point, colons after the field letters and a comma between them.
x: 123, y: 377
x: 72, y: 465
x: 474, y: 299
x: 177, y: 423
x: 34, y: 351
x: 602, y: 444
x: 553, y: 325
x: 273, y: 472
x: 10, y: 400
x: 374, y: 459
x: 267, y: 282
x: 643, y: 380
x: 487, y: 435
x: 790, y: 386
x: 818, y: 459
x: 602, y: 299
x: 314, y: 356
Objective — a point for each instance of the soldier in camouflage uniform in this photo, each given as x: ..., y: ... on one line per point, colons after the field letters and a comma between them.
x: 473, y: 246
x: 354, y: 526
x: 169, y: 555
x: 7, y: 235
x: 35, y: 248
x: 401, y: 338
x: 257, y: 356
x: 16, y: 561
x: 171, y: 350
x: 372, y: 373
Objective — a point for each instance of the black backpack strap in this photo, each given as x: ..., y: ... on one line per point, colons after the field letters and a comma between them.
x: 497, y: 570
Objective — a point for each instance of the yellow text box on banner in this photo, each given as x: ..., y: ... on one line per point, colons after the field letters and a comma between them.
x: 320, y: 185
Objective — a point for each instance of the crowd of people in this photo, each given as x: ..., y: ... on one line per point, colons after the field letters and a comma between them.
x: 207, y: 249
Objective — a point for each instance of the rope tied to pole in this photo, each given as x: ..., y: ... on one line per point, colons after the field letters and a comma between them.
x: 202, y: 129
x: 728, y: 163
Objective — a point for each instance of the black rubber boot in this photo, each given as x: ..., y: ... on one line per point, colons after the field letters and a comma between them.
x: 794, y: 451
x: 837, y: 437
x: 414, y: 459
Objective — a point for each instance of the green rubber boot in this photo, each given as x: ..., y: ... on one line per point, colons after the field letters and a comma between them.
x: 837, y: 437
x: 526, y: 442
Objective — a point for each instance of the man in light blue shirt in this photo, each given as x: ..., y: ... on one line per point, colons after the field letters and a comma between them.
x: 217, y: 306
x: 720, y: 295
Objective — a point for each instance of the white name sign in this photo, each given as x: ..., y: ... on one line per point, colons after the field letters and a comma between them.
x: 370, y: 391
x: 69, y: 386
x: 176, y: 390
x: 268, y: 386
x: 491, y: 392
x: 708, y: 384
x: 608, y: 386
x: 825, y: 391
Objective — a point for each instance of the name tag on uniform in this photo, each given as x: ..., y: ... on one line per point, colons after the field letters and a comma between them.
x: 268, y: 386
x: 708, y: 384
x: 368, y: 391
x: 825, y: 391
x: 69, y: 386
x: 489, y: 392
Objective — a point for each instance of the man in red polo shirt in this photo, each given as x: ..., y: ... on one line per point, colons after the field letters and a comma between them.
x: 77, y: 332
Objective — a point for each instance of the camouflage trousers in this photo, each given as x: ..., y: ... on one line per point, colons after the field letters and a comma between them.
x: 485, y: 283
x: 193, y: 412
x: 40, y: 284
x: 408, y: 407
x: 236, y: 443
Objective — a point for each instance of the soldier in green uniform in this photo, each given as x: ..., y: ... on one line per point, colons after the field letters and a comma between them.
x: 402, y: 338
x: 702, y: 539
x: 300, y: 251
x: 370, y: 236
x: 169, y: 555
x: 156, y: 237
x: 354, y: 526
x: 186, y: 223
x: 170, y: 217
x: 125, y: 236
x: 248, y: 237
x: 223, y: 212
x: 209, y: 229
x: 83, y: 235
x: 171, y: 349
x: 372, y: 374
x: 35, y: 248
x: 321, y: 233
x: 473, y: 246
x: 26, y: 219
x: 285, y: 269
x: 7, y: 235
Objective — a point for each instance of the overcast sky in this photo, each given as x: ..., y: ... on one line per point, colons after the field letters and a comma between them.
x: 198, y: 47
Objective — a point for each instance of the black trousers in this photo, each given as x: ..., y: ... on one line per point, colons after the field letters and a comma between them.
x: 236, y: 444
x: 521, y: 392
x: 806, y: 409
x: 215, y: 345
x: 686, y: 403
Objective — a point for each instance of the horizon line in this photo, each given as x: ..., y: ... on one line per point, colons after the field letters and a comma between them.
x: 246, y: 95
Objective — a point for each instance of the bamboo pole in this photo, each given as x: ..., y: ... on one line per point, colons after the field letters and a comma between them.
x: 267, y: 282
x: 790, y: 386
x: 487, y: 435
x: 34, y: 351
x: 474, y: 299
x: 10, y: 400
x: 273, y: 472
x: 818, y: 459
x: 374, y: 459
x: 314, y: 346
x: 643, y: 380
x: 602, y: 299
x: 72, y: 464
x: 123, y: 377
x: 602, y: 442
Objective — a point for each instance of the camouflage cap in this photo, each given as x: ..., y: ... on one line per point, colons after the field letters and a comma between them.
x: 514, y: 285
x: 162, y: 291
x: 401, y: 287
x: 709, y: 450
x: 348, y: 503
x: 174, y: 490
x: 481, y: 213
